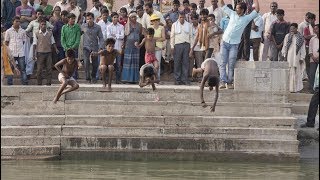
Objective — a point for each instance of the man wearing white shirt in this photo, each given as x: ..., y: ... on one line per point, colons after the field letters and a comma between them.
x: 15, y: 38
x: 180, y: 39
x: 103, y: 23
x: 149, y: 11
x: 34, y: 5
x: 214, y: 9
x: 63, y: 4
x: 96, y: 9
x: 116, y: 31
x: 201, y: 6
x: 255, y: 36
x: 268, y: 19
x: 130, y: 7
x: 141, y: 14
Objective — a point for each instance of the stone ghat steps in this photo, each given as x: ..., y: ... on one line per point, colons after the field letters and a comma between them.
x: 31, y: 157
x: 52, y: 150
x: 179, y: 155
x: 148, y: 108
x: 178, y: 144
x: 300, y: 103
x: 30, y: 140
x: 148, y: 121
x: 31, y: 131
x: 212, y: 132
x: 135, y: 93
x: 194, y: 132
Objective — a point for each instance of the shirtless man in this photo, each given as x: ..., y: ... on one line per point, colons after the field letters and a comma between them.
x: 148, y: 76
x: 150, y: 45
x: 210, y: 71
x: 107, y: 57
x: 70, y: 65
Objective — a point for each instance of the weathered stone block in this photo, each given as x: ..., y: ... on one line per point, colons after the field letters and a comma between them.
x: 261, y: 76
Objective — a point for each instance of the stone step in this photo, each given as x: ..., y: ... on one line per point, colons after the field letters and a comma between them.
x: 30, y: 150
x: 30, y: 140
x: 178, y: 155
x: 197, y: 132
x: 299, y: 97
x: 166, y: 108
x: 179, y: 144
x: 81, y: 79
x: 134, y: 92
x: 30, y: 130
x: 31, y: 157
x: 149, y: 121
x: 301, y: 109
x: 170, y: 93
x: 32, y: 120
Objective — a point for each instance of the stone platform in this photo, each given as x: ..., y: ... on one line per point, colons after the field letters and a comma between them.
x: 135, y: 123
x: 254, y: 121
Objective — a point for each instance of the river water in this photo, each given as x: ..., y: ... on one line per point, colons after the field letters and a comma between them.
x: 306, y: 169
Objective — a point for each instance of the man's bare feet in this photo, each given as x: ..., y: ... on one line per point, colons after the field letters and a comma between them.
x: 104, y: 86
x: 109, y: 89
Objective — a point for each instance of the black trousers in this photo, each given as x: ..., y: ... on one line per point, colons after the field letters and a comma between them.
x: 313, y: 108
x: 244, y: 46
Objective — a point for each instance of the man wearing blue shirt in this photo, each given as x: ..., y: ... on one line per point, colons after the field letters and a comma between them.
x: 232, y: 37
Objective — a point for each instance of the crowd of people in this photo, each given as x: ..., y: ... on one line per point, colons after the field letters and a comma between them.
x: 38, y: 35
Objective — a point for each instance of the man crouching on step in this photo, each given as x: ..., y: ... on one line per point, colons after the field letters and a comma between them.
x: 148, y: 76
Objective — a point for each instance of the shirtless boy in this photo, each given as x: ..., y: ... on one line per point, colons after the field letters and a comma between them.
x: 148, y: 76
x: 210, y: 71
x: 150, y: 44
x: 69, y: 66
x: 107, y: 57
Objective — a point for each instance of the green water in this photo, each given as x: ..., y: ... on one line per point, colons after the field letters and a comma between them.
x: 154, y: 170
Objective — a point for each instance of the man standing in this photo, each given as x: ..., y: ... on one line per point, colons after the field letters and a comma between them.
x: 15, y: 38
x: 42, y: 43
x: 214, y: 9
x: 173, y: 15
x: 63, y: 4
x: 92, y: 38
x: 314, y: 55
x: 181, y: 33
x: 231, y: 39
x: 201, y: 6
x: 26, y: 14
x: 314, y: 104
x: 279, y: 29
x: 116, y: 31
x: 268, y: 19
x: 244, y: 46
x: 130, y: 7
x: 149, y: 11
x: 82, y: 4
x: 9, y: 11
x: 255, y: 36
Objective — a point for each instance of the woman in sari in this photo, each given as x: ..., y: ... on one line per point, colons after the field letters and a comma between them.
x: 133, y: 31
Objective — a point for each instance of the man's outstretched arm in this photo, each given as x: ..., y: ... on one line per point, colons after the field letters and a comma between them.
x: 204, y: 79
x: 213, y: 107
